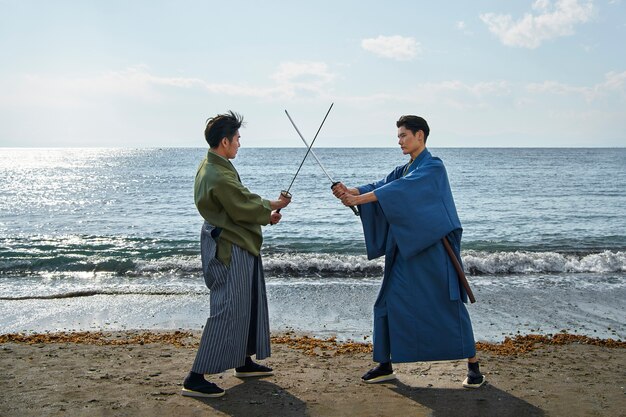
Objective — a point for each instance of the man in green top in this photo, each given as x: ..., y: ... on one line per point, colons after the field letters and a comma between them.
x: 230, y: 240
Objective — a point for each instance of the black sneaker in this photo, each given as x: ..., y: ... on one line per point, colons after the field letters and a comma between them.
x: 203, y: 390
x: 475, y: 379
x: 378, y: 374
x: 252, y: 369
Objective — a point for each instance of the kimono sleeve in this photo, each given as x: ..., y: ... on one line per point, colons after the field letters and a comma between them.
x: 375, y: 229
x: 415, y: 208
x: 375, y: 225
x: 241, y: 205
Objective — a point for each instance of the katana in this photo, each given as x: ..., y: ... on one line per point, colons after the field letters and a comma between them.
x: 286, y: 192
x: 354, y: 209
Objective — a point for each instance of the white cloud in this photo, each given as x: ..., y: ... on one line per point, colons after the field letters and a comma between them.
x: 292, y: 79
x: 452, y: 93
x: 462, y: 27
x: 477, y: 89
x: 551, y: 21
x: 460, y: 95
x: 499, y: 94
x: 290, y: 72
x: 614, y: 83
x: 393, y: 47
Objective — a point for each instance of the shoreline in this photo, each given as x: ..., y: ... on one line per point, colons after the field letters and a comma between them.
x: 138, y: 373
x: 309, y: 344
x: 505, y: 307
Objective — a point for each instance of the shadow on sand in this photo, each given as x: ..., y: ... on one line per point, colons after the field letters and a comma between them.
x: 255, y: 397
x: 485, y: 401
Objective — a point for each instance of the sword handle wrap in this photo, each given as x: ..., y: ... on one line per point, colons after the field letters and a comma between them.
x: 354, y: 209
x: 285, y: 194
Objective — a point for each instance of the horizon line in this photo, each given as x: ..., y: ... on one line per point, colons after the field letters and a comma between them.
x: 321, y: 147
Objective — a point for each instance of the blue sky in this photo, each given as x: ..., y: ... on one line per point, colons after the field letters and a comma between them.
x: 148, y: 73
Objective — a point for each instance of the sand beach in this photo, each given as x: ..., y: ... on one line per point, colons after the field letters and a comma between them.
x: 138, y: 373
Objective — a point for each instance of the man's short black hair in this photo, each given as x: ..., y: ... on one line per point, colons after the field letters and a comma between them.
x: 414, y: 123
x: 222, y: 126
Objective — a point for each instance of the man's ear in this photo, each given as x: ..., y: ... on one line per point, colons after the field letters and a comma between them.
x: 225, y: 142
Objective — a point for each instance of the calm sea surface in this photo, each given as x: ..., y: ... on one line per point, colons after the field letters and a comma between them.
x: 119, y: 222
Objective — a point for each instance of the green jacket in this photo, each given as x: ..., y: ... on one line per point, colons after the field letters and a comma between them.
x: 224, y: 202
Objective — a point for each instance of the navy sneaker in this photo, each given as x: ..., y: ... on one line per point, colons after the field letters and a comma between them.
x: 474, y: 379
x: 379, y: 374
x: 204, y: 389
x: 252, y: 369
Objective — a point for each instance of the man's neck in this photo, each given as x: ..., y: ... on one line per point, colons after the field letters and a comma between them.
x: 417, y: 152
x: 219, y: 151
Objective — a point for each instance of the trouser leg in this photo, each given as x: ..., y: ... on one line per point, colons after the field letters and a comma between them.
x: 254, y: 299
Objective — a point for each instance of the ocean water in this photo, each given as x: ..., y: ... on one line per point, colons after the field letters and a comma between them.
x: 109, y: 238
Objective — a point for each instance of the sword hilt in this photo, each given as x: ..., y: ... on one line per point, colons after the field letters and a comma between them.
x: 285, y: 194
x: 354, y: 209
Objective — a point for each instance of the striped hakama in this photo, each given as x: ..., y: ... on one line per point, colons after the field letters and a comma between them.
x: 238, y: 325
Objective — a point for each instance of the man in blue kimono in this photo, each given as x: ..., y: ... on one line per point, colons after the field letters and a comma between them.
x: 419, y: 314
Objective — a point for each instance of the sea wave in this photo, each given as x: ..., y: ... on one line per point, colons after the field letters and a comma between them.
x: 314, y: 264
x: 93, y: 292
x: 521, y: 262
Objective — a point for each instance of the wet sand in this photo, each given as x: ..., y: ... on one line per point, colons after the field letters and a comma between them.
x: 592, y: 305
x: 140, y: 374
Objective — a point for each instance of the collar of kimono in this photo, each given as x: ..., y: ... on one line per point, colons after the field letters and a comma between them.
x: 417, y: 161
x: 216, y: 159
x: 219, y: 160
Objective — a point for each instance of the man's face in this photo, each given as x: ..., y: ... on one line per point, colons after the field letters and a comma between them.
x: 409, y: 142
x: 233, y: 146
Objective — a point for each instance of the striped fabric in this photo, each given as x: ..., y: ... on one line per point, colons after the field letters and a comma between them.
x: 238, y: 325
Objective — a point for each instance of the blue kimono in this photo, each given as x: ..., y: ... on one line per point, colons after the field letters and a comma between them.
x: 419, y: 314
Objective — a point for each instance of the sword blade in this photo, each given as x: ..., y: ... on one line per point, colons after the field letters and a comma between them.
x: 309, y: 149
x: 307, y: 145
x: 354, y: 209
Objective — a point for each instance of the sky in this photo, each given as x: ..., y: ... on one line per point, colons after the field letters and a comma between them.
x: 485, y: 73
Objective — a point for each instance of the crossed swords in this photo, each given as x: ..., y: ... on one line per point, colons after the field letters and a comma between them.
x: 286, y: 193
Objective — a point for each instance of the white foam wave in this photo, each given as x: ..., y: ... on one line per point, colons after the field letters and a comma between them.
x: 170, y: 264
x: 520, y: 262
x: 322, y: 264
x: 305, y: 265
